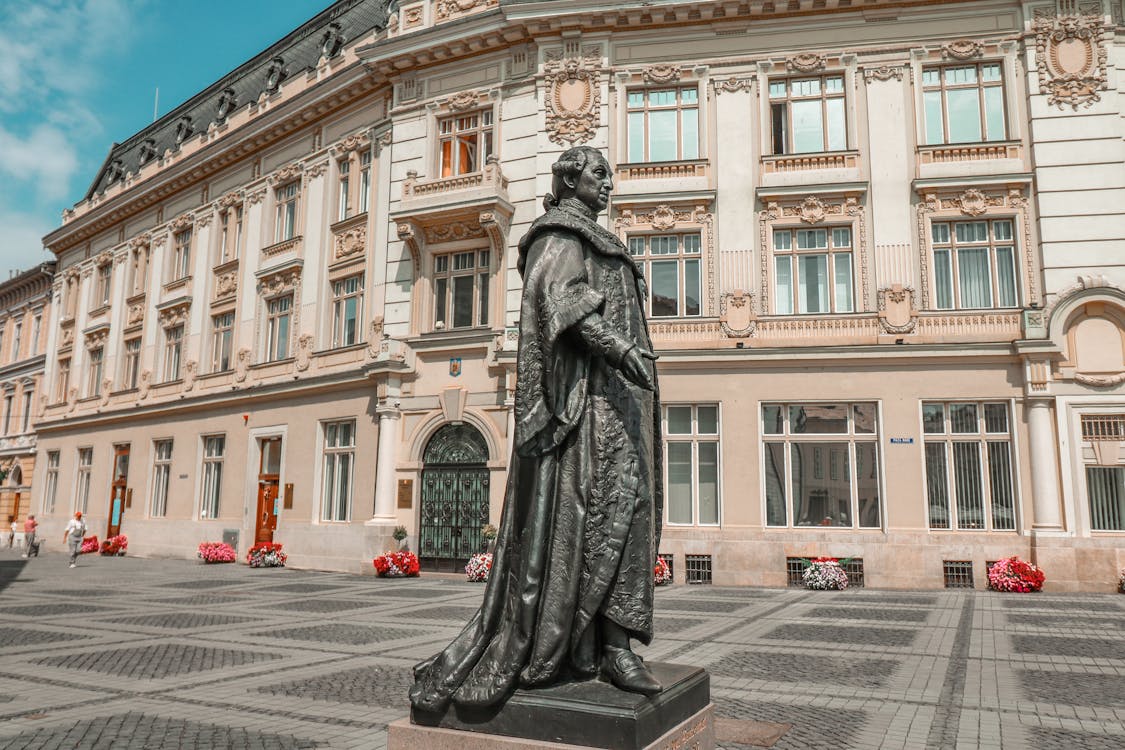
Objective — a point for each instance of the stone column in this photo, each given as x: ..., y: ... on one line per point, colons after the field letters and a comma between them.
x: 385, y: 484
x: 1044, y: 466
x: 510, y: 404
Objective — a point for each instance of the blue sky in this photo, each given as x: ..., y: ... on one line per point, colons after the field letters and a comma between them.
x: 78, y: 75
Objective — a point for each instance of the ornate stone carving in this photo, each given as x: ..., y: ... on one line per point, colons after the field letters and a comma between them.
x: 463, y: 100
x: 226, y: 284
x: 375, y: 337
x: 141, y: 241
x: 496, y: 227
x: 573, y: 96
x: 1099, y: 381
x: 896, y: 310
x: 736, y: 314
x: 661, y: 74
x: 974, y: 203
x: 809, y: 62
x: 280, y: 282
x: 97, y: 338
x: 135, y: 313
x: 230, y: 200
x: 413, y: 242
x: 288, y: 173
x: 180, y: 223
x: 255, y: 197
x: 1071, y: 58
x: 452, y: 231
x: 732, y: 84
x: 962, y: 49
x: 175, y: 315
x: 304, y: 352
x: 353, y: 142
x: 191, y: 367
x: 144, y: 384
x: 318, y: 169
x: 383, y: 141
x: 351, y: 241
x: 883, y: 73
x: 241, y: 365
x: 446, y: 9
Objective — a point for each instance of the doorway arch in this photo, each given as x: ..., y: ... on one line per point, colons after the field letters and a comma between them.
x: 454, y: 503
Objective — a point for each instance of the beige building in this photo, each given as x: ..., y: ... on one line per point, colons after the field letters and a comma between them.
x: 885, y: 247
x: 25, y: 315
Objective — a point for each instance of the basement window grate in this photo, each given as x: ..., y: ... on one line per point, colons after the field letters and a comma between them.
x: 958, y: 574
x: 697, y: 568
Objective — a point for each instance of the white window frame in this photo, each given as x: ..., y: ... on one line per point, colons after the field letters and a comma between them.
x: 96, y: 368
x: 651, y: 249
x: 173, y: 352
x: 181, y: 255
x: 341, y: 295
x: 792, y: 256
x: 131, y: 363
x: 332, y: 484
x: 446, y: 271
x: 477, y: 130
x: 211, y: 475
x: 161, y: 477
x: 695, y: 439
x: 639, y: 111
x: 50, y: 490
x: 28, y: 401
x: 274, y: 338
x: 222, y: 342
x: 943, y: 87
x: 82, y: 478
x: 943, y: 240
x: 287, y: 200
x: 104, y: 285
x: 824, y: 96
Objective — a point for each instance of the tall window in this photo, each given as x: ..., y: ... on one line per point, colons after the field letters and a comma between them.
x: 663, y: 124
x: 808, y: 115
x: 181, y: 255
x: 36, y: 329
x: 691, y: 435
x: 339, y: 460
x: 673, y: 267
x: 161, y: 475
x: 364, y: 181
x: 50, y: 493
x: 62, y: 381
x: 461, y: 289
x: 821, y: 465
x: 3, y: 328
x: 82, y: 485
x: 173, y: 349
x: 345, y: 209
x: 9, y: 402
x: 465, y: 142
x: 813, y: 271
x: 347, y: 309
x: 214, y: 446
x: 969, y: 466
x: 222, y: 338
x: 28, y: 400
x: 97, y: 364
x: 288, y: 198
x: 1105, y: 485
x: 278, y: 312
x: 131, y: 365
x: 230, y: 233
x: 105, y: 278
x: 964, y: 103
x: 974, y: 264
x: 17, y: 339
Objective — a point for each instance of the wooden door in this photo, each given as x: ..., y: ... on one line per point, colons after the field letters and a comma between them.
x: 118, y: 489
x: 269, y: 474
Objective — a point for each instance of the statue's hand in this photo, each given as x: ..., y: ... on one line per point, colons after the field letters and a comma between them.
x: 634, y: 367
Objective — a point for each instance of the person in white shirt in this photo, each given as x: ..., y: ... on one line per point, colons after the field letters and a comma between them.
x: 75, y: 530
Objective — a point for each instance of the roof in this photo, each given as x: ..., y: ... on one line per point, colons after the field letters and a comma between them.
x: 301, y: 49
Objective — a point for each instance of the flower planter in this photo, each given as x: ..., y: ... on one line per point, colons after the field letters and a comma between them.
x: 396, y: 565
x: 216, y: 552
x: 662, y: 573
x: 115, y: 546
x: 479, y: 567
x: 266, y: 555
x: 825, y: 574
x: 1015, y: 575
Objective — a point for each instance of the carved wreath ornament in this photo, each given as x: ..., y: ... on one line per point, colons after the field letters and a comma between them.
x: 574, y: 98
x: 1071, y: 59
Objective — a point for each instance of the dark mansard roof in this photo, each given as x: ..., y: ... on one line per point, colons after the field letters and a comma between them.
x: 323, y: 35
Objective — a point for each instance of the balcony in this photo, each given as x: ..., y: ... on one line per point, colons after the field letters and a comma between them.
x: 641, y: 178
x: 826, y: 167
x: 971, y: 159
x: 420, y: 195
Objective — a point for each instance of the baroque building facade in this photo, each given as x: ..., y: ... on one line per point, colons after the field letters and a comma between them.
x: 884, y: 245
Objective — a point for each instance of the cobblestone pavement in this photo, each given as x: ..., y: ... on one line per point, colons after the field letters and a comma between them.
x: 132, y: 653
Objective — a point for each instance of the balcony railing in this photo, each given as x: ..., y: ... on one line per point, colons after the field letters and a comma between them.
x: 662, y: 170
x: 949, y: 154
x: 807, y: 162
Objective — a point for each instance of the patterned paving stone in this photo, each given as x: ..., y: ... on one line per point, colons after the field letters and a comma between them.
x: 674, y: 624
x: 820, y: 728
x: 699, y: 605
x: 203, y: 583
x: 1043, y: 738
x: 870, y: 613
x: 1092, y: 648
x: 156, y: 662
x: 808, y: 668
x: 11, y: 637
x: 455, y: 614
x: 843, y: 634
x: 1073, y: 688
x: 6, y: 698
x: 351, y: 635
x: 1066, y: 621
x: 727, y: 593
x: 87, y: 594
x: 137, y: 731
x: 374, y: 685
x: 917, y: 601
x: 303, y: 588
x: 320, y: 605
x: 182, y: 620
x: 203, y: 600
x: 412, y: 593
x: 50, y: 610
x: 1072, y: 606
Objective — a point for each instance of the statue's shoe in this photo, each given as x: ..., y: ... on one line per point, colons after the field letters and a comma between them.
x: 627, y: 671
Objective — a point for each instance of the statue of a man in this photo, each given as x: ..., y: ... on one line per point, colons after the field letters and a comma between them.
x: 572, y: 578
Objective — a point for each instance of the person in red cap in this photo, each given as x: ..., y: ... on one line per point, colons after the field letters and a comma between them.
x: 75, y: 530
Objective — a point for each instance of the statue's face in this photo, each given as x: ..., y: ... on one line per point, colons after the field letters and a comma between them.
x: 594, y: 184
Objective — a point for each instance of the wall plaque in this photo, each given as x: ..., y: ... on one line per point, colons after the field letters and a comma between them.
x: 405, y: 493
x: 288, y: 505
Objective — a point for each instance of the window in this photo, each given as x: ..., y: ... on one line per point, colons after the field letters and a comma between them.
x: 287, y: 197
x: 36, y: 329
x: 52, y: 489
x: 672, y: 264
x: 213, y: 449
x: 3, y: 328
x: 663, y: 124
x: 364, y: 181
x: 222, y: 337
x: 105, y: 277
x: 345, y: 209
x: 161, y: 475
x: 94, y: 381
x: 964, y: 103
x: 691, y: 435
x: 807, y: 115
x: 28, y: 399
x: 974, y: 264
x: 821, y: 465
x: 465, y: 142
x: 173, y: 348
x: 277, y: 331
x: 8, y: 402
x: 82, y: 486
x: 461, y: 289
x: 230, y: 234
x: 347, y: 309
x: 339, y: 460
x: 1105, y: 485
x: 968, y: 452
x: 181, y: 255
x: 813, y: 271
x: 17, y: 337
x: 62, y: 382
x: 131, y: 366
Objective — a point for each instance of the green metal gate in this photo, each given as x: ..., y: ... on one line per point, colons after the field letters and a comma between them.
x: 454, y: 498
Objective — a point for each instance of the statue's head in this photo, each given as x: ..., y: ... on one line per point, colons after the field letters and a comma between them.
x: 583, y: 173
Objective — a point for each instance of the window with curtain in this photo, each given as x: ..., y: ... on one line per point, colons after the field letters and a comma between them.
x: 222, y: 341
x: 173, y: 349
x: 691, y: 464
x: 287, y: 198
x: 131, y: 363
x: 663, y: 124
x: 50, y: 493
x: 964, y: 103
x: 339, y: 466
x: 105, y: 279
x: 465, y: 142
x: 230, y: 233
x: 813, y: 271
x: 94, y: 371
x: 808, y: 115
x: 1105, y: 485
x: 214, y: 447
x: 347, y: 309
x: 161, y: 476
x: 673, y: 268
x: 461, y: 289
x: 821, y: 465
x: 974, y: 264
x: 181, y: 255
x: 82, y: 485
x: 968, y: 459
x: 62, y: 380
x: 278, y: 314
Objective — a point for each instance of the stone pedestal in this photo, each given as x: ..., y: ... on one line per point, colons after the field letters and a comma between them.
x: 575, y: 716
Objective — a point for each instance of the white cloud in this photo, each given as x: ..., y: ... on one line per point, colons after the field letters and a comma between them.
x: 46, y: 158
x: 21, y: 242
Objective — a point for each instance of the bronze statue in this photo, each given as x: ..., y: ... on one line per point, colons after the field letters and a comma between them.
x: 572, y: 578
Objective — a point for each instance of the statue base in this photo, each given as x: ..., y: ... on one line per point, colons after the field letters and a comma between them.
x: 575, y: 715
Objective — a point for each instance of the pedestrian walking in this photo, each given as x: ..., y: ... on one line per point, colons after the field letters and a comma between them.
x: 29, y: 527
x: 12, y: 531
x: 75, y: 531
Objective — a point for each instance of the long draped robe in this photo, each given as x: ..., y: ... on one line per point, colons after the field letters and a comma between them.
x: 580, y: 527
